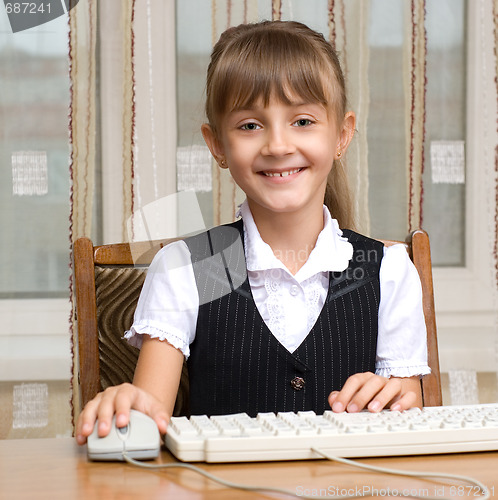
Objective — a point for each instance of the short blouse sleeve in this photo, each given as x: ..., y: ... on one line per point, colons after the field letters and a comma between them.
x: 168, y: 305
x: 402, y: 336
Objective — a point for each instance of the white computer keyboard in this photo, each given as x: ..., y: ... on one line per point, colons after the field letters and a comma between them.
x: 291, y: 436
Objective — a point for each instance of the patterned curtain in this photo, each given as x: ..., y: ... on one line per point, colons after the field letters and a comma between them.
x: 348, y: 32
x: 415, y: 110
x: 82, y: 134
x: 493, y: 198
x: 226, y: 194
x: 495, y: 184
x: 82, y: 126
x: 122, y: 135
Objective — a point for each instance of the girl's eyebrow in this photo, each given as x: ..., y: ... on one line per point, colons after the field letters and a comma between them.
x: 255, y: 107
x: 248, y: 107
x: 245, y: 108
x: 302, y: 103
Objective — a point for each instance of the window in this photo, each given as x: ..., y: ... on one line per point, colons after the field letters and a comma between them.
x: 34, y: 224
x: 34, y: 182
x: 444, y: 200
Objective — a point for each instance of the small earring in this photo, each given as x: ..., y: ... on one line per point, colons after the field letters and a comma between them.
x: 223, y: 163
x: 339, y: 154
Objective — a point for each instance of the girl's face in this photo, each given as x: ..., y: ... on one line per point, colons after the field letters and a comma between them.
x: 280, y: 155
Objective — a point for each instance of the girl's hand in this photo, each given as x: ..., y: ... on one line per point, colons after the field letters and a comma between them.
x: 367, y: 390
x: 118, y: 400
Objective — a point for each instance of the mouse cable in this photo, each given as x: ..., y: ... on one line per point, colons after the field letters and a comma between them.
x: 270, y: 489
x: 423, y: 475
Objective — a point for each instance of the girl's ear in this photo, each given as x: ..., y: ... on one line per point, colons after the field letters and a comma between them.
x: 214, y: 144
x: 347, y: 132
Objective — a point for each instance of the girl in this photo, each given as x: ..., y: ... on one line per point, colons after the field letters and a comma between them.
x: 281, y: 310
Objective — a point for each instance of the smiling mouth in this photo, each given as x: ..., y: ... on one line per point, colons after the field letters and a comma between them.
x: 282, y: 174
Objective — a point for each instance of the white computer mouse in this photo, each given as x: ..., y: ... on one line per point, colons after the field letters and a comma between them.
x: 140, y: 439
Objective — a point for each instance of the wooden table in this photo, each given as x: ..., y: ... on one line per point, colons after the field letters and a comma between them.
x: 58, y: 469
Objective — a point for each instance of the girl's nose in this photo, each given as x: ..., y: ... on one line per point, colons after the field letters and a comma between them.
x: 278, y: 143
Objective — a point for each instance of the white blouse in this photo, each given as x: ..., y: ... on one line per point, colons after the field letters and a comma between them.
x: 289, y: 304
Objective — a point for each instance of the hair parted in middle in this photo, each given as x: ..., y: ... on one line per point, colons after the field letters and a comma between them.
x: 281, y: 60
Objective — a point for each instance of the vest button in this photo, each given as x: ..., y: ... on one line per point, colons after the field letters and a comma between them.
x: 297, y: 383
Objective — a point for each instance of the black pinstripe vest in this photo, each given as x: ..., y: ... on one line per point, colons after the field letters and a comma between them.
x: 237, y: 365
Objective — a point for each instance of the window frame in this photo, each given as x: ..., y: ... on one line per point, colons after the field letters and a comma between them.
x: 38, y: 347
x: 465, y: 296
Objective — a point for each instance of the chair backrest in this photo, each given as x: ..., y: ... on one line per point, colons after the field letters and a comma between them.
x: 108, y: 281
x: 418, y: 248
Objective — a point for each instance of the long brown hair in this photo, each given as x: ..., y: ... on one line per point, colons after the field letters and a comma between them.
x: 274, y: 58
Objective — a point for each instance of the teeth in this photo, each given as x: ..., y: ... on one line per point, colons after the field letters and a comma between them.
x: 282, y: 174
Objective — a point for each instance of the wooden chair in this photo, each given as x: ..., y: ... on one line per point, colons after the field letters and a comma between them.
x: 108, y: 280
x: 418, y: 248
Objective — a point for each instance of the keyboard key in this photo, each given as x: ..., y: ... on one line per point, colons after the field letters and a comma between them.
x: 183, y: 426
x: 204, y: 425
x: 226, y: 425
x: 279, y: 427
x: 299, y: 424
x: 248, y: 425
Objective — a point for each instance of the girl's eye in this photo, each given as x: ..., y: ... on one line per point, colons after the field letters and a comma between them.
x: 250, y: 126
x: 303, y: 122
